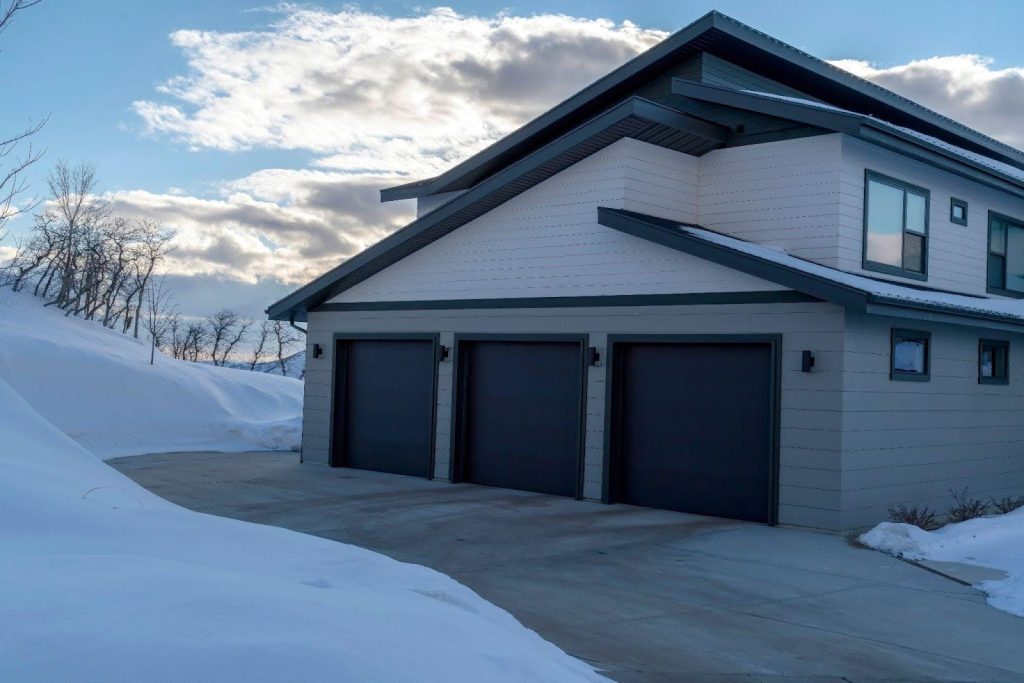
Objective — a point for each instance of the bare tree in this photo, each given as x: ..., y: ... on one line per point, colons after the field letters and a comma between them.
x: 161, y: 315
x: 196, y: 338
x: 227, y: 330
x: 12, y: 175
x: 153, y: 245
x: 260, y: 346
x: 285, y: 339
x: 85, y: 261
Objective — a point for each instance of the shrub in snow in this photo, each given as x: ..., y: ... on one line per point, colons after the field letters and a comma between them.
x: 924, y: 518
x: 965, y: 507
x: 1007, y: 503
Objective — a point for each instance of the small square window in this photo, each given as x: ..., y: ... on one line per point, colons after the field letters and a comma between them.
x: 958, y: 211
x: 910, y: 356
x: 993, y: 361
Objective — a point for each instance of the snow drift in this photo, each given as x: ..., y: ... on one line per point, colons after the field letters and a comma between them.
x: 995, y: 542
x: 97, y: 386
x: 102, y: 580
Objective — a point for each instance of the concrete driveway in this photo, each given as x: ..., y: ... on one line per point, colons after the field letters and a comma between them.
x: 641, y: 594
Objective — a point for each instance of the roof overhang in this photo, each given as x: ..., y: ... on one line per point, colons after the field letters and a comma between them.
x: 669, y: 233
x: 878, y: 132
x: 723, y: 36
x: 635, y: 118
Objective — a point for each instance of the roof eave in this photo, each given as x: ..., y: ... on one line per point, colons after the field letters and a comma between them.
x: 636, y: 108
x: 667, y: 233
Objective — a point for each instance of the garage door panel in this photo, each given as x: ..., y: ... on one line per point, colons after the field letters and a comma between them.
x: 386, y: 408
x: 521, y: 413
x: 694, y: 429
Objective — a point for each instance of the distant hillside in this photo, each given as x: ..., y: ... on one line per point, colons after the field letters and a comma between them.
x: 295, y: 363
x: 97, y: 386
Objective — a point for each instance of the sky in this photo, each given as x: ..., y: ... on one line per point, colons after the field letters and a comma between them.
x: 262, y: 133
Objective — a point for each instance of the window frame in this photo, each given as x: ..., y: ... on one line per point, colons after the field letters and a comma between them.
x: 1003, y: 291
x: 900, y: 271
x: 953, y: 204
x: 1000, y: 343
x: 902, y: 375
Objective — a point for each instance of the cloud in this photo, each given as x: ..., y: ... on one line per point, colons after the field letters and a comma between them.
x: 376, y: 100
x: 966, y: 88
x: 376, y: 94
x: 287, y: 225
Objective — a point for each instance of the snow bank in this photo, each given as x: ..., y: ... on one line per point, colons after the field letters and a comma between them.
x: 102, y: 580
x: 995, y: 542
x: 97, y: 386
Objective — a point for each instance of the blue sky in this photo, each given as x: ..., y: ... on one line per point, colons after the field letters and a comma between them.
x: 87, y: 64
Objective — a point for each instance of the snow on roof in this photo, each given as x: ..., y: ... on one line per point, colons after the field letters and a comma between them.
x: 998, y: 166
x: 1013, y: 172
x: 886, y: 292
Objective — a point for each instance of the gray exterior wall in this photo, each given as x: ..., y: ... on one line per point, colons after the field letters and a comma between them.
x: 910, y: 443
x: 810, y: 416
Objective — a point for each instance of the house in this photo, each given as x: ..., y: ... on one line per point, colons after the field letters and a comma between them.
x: 726, y: 278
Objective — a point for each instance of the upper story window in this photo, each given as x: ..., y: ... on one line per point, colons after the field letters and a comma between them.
x: 1005, y: 255
x: 895, y: 227
x: 957, y: 211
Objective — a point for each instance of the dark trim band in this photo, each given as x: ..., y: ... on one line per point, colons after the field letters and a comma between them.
x: 693, y: 299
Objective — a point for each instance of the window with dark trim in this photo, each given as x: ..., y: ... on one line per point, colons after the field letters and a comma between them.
x: 993, y: 361
x: 1005, y: 255
x: 910, y: 356
x: 895, y: 227
x: 957, y: 211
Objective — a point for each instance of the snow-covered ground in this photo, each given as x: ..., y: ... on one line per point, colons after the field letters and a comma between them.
x: 102, y: 580
x: 996, y: 542
x: 97, y: 386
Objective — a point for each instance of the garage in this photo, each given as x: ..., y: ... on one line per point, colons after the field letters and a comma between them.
x: 384, y: 404
x: 692, y: 426
x: 519, y: 413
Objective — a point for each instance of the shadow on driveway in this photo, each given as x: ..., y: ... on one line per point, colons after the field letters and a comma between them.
x: 641, y: 594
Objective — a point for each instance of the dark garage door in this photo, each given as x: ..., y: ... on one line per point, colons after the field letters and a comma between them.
x: 384, y: 410
x: 519, y: 420
x: 692, y: 428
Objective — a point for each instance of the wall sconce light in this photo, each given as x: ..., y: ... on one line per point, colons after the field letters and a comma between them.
x: 445, y: 353
x: 593, y: 355
x: 318, y: 351
x: 807, y: 361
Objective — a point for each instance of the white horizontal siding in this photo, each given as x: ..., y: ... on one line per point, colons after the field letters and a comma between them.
x: 547, y: 242
x: 956, y: 253
x: 911, y: 443
x: 784, y: 194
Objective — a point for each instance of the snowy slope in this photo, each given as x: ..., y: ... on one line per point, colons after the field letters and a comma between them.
x: 995, y: 542
x: 97, y: 386
x: 100, y: 580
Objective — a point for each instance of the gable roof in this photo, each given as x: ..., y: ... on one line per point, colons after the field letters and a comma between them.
x: 852, y: 291
x: 740, y: 44
x: 635, y: 118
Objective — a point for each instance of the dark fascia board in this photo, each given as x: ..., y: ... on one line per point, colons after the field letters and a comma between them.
x: 890, y: 137
x: 864, y: 127
x: 608, y: 86
x: 839, y: 121
x: 603, y: 92
x: 668, y: 233
x: 780, y: 296
x: 833, y: 77
x: 297, y: 303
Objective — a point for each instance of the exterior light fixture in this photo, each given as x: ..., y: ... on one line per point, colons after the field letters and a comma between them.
x: 807, y: 361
